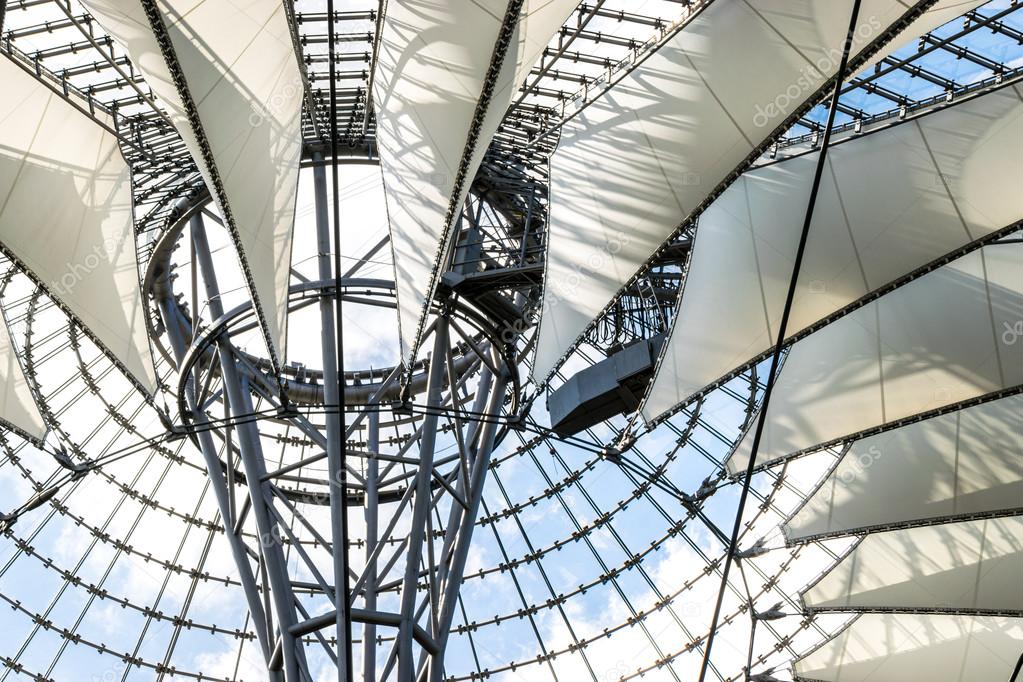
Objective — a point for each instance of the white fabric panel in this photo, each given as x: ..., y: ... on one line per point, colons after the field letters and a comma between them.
x: 17, y: 405
x: 903, y: 647
x: 247, y: 88
x: 889, y: 203
x: 725, y: 319
x: 634, y: 164
x: 935, y: 342
x: 968, y: 566
x: 431, y: 68
x: 66, y: 215
x: 965, y: 462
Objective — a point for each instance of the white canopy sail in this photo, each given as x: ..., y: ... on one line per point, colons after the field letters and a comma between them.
x: 931, y: 344
x: 79, y: 243
x: 890, y: 202
x: 965, y: 463
x: 18, y: 409
x: 928, y: 567
x: 888, y: 647
x: 229, y: 79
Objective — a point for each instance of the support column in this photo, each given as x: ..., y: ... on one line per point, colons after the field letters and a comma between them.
x: 369, y: 633
x: 463, y: 540
x: 335, y: 434
x: 422, y: 504
x: 220, y: 491
x: 253, y: 462
x: 455, y: 513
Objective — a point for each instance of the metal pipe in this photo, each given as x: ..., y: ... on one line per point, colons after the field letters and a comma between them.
x: 369, y: 636
x: 254, y: 464
x: 343, y: 587
x: 369, y: 618
x: 332, y: 396
x: 423, y: 502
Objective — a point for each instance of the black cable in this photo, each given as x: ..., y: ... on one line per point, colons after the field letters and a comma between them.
x: 1016, y: 670
x: 776, y: 355
x: 342, y: 445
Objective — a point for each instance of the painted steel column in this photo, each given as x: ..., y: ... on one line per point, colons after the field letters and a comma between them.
x: 453, y: 584
x: 483, y: 396
x: 255, y: 468
x: 219, y: 484
x: 332, y: 399
x: 423, y: 502
x: 369, y: 633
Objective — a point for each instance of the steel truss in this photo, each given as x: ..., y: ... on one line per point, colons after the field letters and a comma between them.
x: 420, y: 508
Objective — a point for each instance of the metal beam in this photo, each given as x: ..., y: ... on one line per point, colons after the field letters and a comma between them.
x: 254, y: 465
x: 332, y: 401
x: 215, y: 472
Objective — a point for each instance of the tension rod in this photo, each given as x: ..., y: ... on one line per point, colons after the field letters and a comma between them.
x: 782, y: 327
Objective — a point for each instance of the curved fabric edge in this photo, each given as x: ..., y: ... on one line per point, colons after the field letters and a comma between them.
x: 79, y: 247
x: 682, y: 176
